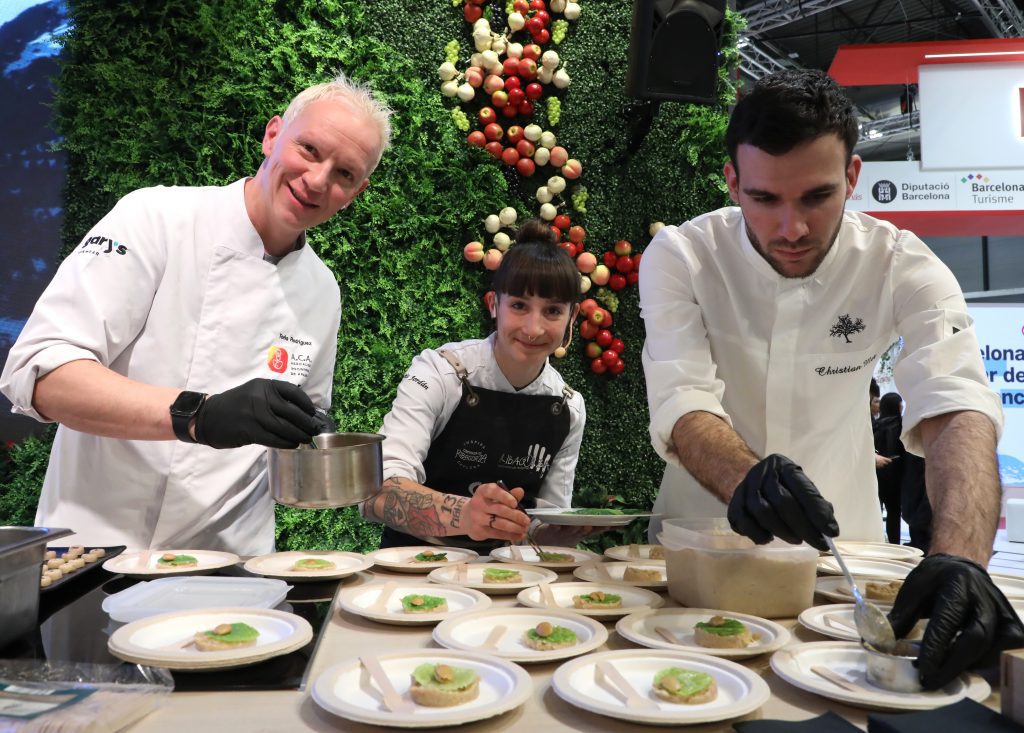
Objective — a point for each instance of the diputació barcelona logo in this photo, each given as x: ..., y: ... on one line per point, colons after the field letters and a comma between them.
x: 277, y: 359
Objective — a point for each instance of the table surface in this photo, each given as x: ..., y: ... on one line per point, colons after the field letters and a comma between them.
x: 346, y: 636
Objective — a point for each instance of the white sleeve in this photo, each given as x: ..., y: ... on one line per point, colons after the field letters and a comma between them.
x: 939, y: 369
x: 321, y: 375
x: 556, y: 491
x: 97, y: 303
x: 417, y: 416
x: 680, y: 373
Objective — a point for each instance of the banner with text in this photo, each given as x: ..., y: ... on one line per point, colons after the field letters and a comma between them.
x: 903, y: 186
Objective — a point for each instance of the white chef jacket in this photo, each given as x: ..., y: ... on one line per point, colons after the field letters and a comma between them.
x: 787, y: 362
x: 429, y: 393
x: 171, y: 288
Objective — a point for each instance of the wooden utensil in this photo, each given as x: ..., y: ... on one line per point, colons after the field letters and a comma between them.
x: 517, y: 552
x: 668, y: 635
x: 602, y: 571
x: 835, y: 679
x: 381, y: 604
x: 634, y: 552
x: 394, y: 702
x: 829, y: 621
x: 606, y: 669
x: 547, y: 595
x: 494, y: 638
x: 462, y: 572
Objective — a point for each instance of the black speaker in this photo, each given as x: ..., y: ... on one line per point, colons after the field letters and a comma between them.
x: 674, y: 50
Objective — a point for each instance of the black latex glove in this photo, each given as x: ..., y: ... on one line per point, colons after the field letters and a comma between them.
x: 971, y: 621
x: 262, y: 411
x: 776, y: 499
x: 324, y: 422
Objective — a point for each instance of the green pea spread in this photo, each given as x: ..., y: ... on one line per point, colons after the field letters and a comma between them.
x: 432, y: 557
x: 731, y: 627
x: 178, y: 560
x: 239, y: 633
x: 608, y: 598
x: 428, y: 602
x: 499, y: 574
x: 690, y: 681
x: 314, y: 563
x: 554, y: 557
x: 558, y: 635
x: 461, y: 677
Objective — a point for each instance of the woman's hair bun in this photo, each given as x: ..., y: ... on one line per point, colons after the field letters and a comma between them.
x: 536, y: 231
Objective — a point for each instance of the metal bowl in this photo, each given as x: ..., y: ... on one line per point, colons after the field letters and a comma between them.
x: 897, y: 671
x: 343, y: 469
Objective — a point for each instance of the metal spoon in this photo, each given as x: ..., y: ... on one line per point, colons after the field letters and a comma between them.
x: 871, y: 622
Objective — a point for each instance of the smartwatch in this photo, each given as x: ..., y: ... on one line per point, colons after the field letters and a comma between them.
x: 183, y: 410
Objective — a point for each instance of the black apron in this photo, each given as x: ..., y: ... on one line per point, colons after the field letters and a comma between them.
x: 491, y: 435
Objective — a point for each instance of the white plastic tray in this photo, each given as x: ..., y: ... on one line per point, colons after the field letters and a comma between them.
x: 185, y: 593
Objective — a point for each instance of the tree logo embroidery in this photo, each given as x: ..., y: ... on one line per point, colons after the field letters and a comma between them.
x: 846, y: 326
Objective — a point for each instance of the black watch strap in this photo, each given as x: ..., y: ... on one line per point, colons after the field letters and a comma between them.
x: 184, y: 408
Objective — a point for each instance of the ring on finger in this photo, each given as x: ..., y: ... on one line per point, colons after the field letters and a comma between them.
x: 491, y: 523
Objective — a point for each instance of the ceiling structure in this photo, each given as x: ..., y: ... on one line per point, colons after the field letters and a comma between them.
x: 788, y: 33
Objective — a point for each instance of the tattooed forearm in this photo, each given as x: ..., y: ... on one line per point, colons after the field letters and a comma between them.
x: 452, y: 506
x: 408, y: 507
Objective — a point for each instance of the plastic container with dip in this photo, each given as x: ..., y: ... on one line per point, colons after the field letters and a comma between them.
x: 710, y: 566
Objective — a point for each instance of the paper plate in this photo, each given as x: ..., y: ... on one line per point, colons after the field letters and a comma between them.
x: 568, y: 518
x: 835, y: 588
x: 280, y: 564
x: 474, y: 577
x: 362, y: 601
x: 877, y: 550
x: 143, y: 564
x: 640, y: 629
x: 633, y: 599
x: 632, y: 553
x: 865, y: 567
x: 469, y: 631
x: 505, y: 554
x: 346, y: 689
x: 400, y: 559
x: 161, y: 640
x: 616, y: 572
x: 836, y: 620
x: 740, y: 691
x: 1012, y: 586
x: 849, y: 661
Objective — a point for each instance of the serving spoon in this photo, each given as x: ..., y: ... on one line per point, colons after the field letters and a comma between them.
x: 871, y: 622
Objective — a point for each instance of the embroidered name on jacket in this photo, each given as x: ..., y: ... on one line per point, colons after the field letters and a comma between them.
x: 102, y: 246
x: 536, y: 459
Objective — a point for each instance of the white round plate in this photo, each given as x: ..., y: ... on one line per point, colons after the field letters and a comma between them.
x: 740, y: 691
x: 640, y: 629
x: 163, y: 641
x: 504, y: 554
x: 1012, y: 586
x: 347, y: 690
x: 836, y: 620
x: 634, y: 553
x: 280, y: 564
x: 469, y: 631
x: 633, y: 599
x: 474, y: 577
x: 400, y: 559
x: 877, y: 550
x: 616, y: 570
x: 866, y: 567
x: 568, y: 518
x: 362, y: 601
x: 142, y: 564
x: 849, y: 661
x: 835, y: 588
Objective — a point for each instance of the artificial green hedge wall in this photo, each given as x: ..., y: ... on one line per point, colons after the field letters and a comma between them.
x: 178, y: 91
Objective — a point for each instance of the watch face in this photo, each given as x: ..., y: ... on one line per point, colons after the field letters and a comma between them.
x: 187, y: 403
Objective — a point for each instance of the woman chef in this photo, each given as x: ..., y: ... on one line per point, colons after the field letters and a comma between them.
x: 475, y: 412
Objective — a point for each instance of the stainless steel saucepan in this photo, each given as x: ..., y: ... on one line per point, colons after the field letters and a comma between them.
x: 343, y: 469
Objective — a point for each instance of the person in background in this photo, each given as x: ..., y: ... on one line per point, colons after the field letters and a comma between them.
x: 763, y: 323
x: 874, y: 394
x: 887, y: 430
x: 472, y: 413
x: 190, y: 320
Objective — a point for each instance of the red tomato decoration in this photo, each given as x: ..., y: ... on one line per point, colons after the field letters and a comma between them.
x: 604, y: 338
x: 633, y: 277
x: 472, y: 13
x: 617, y: 282
x: 617, y: 346
x: 562, y: 221
x: 617, y: 367
x: 609, y: 358
x: 592, y: 350
x: 624, y: 264
x: 597, y: 366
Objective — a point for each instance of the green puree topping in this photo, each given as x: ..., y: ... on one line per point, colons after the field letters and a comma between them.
x: 554, y: 557
x: 314, y: 563
x: 178, y: 560
x: 608, y: 598
x: 690, y: 681
x: 500, y: 573
x: 558, y: 635
x: 731, y: 627
x: 461, y: 677
x: 428, y: 602
x: 433, y: 557
x: 238, y: 634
